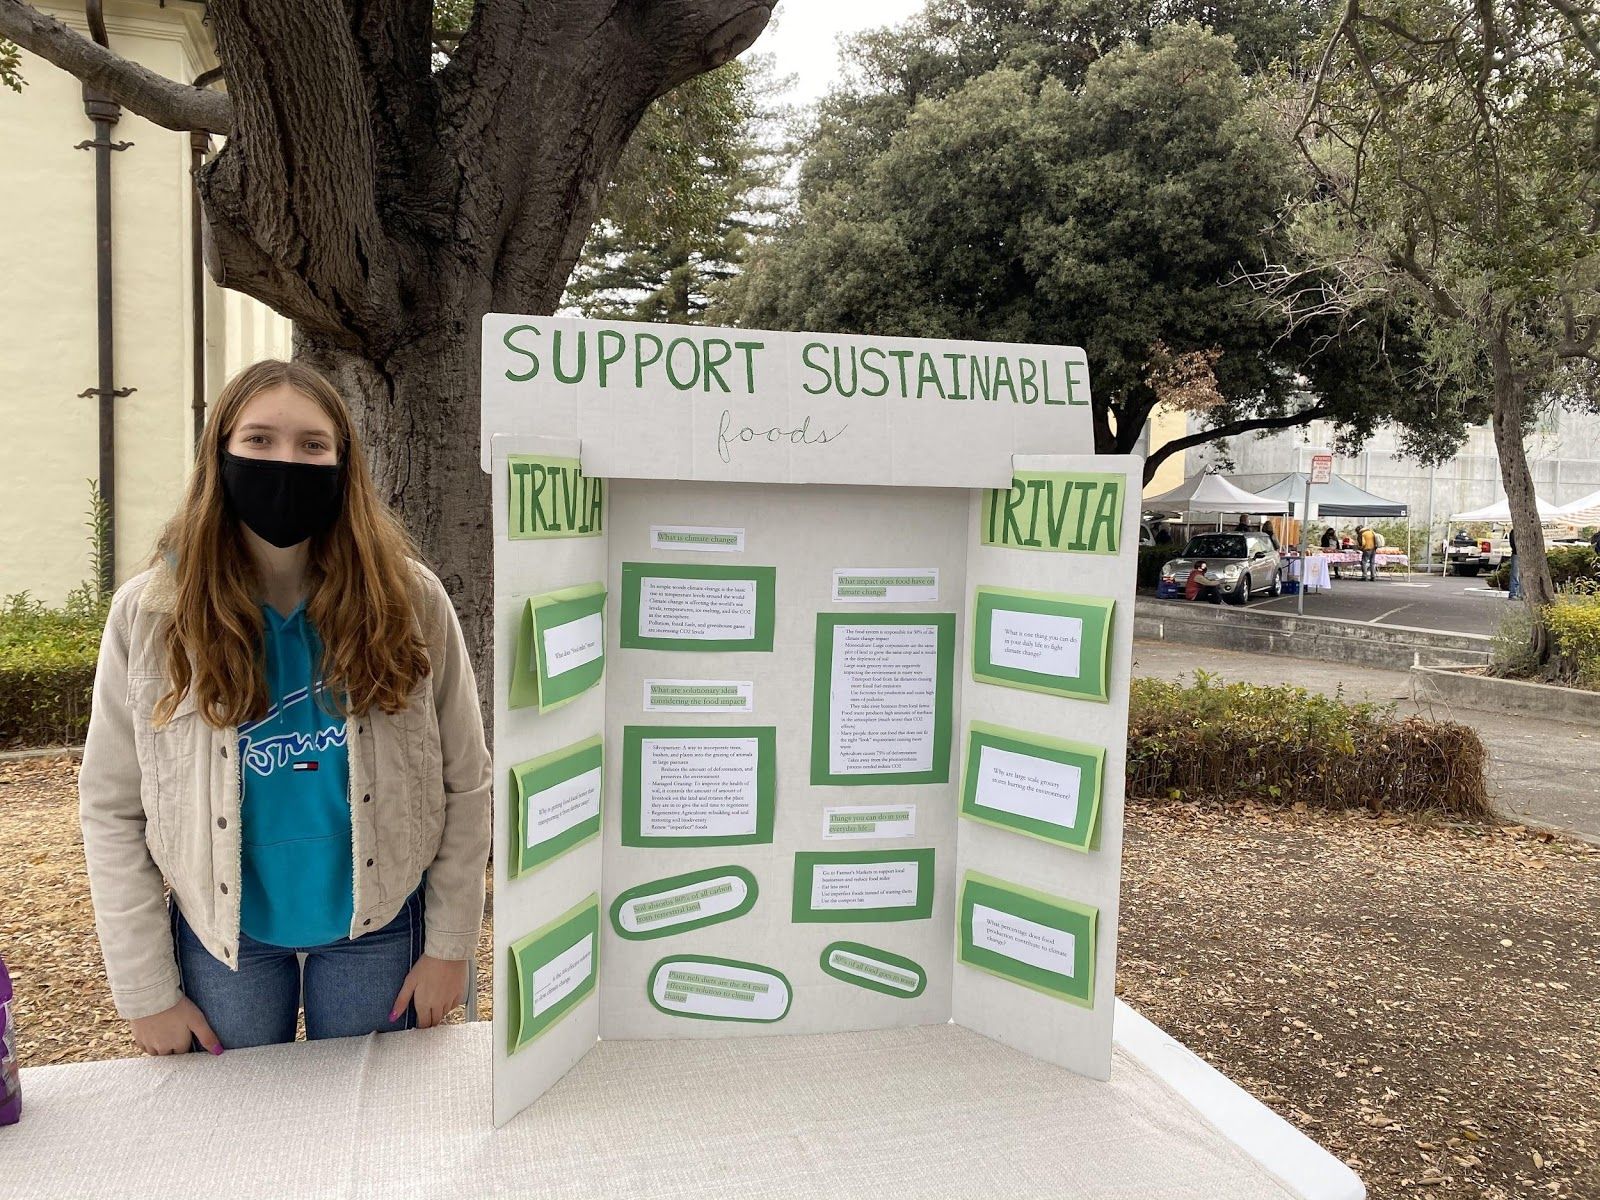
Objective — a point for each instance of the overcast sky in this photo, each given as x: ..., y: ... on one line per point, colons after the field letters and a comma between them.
x: 804, y: 41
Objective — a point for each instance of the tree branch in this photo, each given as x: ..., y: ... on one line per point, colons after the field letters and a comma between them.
x: 537, y: 106
x: 292, y: 197
x: 156, y: 98
x: 1244, y: 425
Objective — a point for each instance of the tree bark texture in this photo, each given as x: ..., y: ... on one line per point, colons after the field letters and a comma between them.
x: 385, y: 204
x: 1532, y: 563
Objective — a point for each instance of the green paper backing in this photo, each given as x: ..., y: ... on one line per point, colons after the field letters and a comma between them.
x: 633, y: 573
x: 538, y: 774
x: 1093, y: 657
x: 1078, y: 919
x: 633, y: 737
x: 822, y: 688
x: 1085, y: 835
x: 536, y: 949
x: 802, y: 912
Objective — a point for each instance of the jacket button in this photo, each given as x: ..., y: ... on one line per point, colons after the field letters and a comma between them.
x: 361, y: 728
x: 367, y: 799
x: 226, y: 953
x: 222, y: 750
x: 368, y: 921
x: 222, y: 822
x: 369, y: 862
x: 224, y: 889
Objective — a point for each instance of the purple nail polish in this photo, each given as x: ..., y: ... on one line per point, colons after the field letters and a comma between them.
x: 217, y: 1049
x: 394, y: 1016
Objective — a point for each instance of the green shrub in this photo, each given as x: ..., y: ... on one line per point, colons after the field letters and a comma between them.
x: 1394, y: 531
x: 1285, y: 744
x: 1574, y: 622
x: 47, y: 660
x: 1151, y: 560
x: 1512, y: 655
x: 1568, y: 565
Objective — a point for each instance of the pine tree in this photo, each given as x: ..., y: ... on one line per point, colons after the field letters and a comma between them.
x: 700, y: 177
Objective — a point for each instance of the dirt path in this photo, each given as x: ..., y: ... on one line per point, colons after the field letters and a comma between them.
x: 1424, y: 1001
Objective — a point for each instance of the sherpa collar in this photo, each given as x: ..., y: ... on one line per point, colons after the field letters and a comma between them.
x: 161, y: 589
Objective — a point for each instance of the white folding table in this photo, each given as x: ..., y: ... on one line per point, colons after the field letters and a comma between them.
x: 927, y: 1111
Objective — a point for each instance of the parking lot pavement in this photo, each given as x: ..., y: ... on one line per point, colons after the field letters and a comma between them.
x: 1441, y: 602
x: 1541, y: 772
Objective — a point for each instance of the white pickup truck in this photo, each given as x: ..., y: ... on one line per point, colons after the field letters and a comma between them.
x: 1467, y: 555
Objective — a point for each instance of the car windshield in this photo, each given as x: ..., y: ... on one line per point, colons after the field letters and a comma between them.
x: 1215, y: 545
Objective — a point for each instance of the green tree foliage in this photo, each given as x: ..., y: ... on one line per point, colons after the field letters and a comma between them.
x: 952, y: 42
x: 1109, y: 215
x: 697, y: 178
x: 10, y: 66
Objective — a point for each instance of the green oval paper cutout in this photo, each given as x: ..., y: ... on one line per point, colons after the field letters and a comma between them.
x: 871, y: 956
x: 665, y: 913
x: 714, y: 989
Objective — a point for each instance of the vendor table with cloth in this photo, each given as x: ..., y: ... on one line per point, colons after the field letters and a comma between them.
x: 927, y: 1111
x: 1352, y: 558
x: 1315, y: 569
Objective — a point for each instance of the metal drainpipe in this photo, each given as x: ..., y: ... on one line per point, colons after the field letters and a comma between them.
x: 104, y: 112
x: 199, y: 143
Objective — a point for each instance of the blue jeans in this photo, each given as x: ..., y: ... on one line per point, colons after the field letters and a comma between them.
x: 348, y: 989
x: 1369, y: 565
x: 1514, y: 586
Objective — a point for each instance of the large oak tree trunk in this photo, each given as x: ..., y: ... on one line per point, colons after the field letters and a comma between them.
x: 417, y: 416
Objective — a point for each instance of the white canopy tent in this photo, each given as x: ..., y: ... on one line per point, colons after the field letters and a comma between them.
x: 1583, y: 511
x: 1212, y: 496
x: 1501, y: 512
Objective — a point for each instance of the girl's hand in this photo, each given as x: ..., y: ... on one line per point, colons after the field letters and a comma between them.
x: 169, y: 1032
x: 436, y: 986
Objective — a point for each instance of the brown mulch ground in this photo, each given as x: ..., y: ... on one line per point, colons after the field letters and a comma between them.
x: 1422, y: 999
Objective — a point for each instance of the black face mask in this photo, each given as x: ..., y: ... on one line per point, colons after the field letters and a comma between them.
x: 284, y: 502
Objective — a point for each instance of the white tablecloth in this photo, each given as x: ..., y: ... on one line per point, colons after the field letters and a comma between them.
x: 934, y: 1111
x: 1316, y: 571
x: 1352, y: 558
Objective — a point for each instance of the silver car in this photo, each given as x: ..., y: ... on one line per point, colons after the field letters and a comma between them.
x: 1239, y: 565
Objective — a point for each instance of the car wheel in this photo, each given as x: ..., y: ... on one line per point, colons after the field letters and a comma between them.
x: 1277, y: 584
x: 1240, y: 594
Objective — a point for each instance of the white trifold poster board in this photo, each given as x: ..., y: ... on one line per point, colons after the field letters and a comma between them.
x: 811, y: 671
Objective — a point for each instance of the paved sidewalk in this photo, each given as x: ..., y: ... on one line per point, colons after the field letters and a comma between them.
x: 1542, y: 772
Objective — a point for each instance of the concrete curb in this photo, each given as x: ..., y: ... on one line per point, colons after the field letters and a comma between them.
x: 1456, y: 687
x: 1327, y: 639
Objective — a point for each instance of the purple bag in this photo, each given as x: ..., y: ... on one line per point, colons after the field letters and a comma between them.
x: 10, y: 1081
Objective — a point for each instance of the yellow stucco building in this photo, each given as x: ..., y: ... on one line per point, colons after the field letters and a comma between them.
x: 49, y: 334
x: 1166, y: 425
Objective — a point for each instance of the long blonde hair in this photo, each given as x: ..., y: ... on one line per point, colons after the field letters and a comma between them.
x: 361, y: 601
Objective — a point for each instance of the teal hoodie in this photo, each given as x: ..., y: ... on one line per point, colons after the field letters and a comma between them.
x: 297, y: 879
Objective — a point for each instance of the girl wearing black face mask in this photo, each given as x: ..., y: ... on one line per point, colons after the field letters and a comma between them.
x: 286, y: 727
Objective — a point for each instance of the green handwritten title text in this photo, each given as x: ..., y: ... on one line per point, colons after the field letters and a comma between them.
x: 1080, y: 513
x: 642, y: 359
x: 552, y: 497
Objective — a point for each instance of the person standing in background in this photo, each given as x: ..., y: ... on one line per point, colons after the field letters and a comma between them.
x: 1367, y: 539
x: 1514, y: 585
